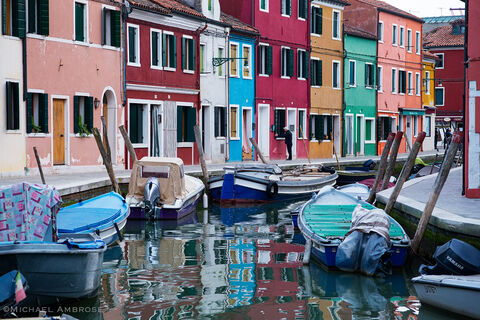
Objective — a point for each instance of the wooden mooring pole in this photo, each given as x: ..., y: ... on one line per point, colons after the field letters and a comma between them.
x: 106, y: 159
x: 128, y: 143
x: 201, y: 155
x: 437, y: 188
x: 39, y: 165
x: 407, y: 168
x: 381, y: 167
x: 258, y: 150
x: 305, y: 145
x: 392, y: 161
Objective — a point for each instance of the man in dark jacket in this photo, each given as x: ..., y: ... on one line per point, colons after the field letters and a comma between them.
x: 288, y: 141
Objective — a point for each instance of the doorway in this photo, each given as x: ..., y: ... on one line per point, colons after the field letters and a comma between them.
x: 291, y: 124
x: 349, y: 134
x: 263, y: 132
x: 110, y: 115
x: 247, y: 152
x: 360, y: 135
x: 156, y: 132
x: 58, y: 132
x: 408, y: 131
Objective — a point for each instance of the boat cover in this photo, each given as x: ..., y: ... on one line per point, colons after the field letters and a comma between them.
x: 168, y: 171
x: 26, y: 210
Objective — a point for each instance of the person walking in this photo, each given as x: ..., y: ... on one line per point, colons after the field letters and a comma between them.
x: 447, y: 138
x: 437, y: 138
x: 287, y: 134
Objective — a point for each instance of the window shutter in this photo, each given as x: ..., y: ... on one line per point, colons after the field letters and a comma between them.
x: 154, y: 48
x: 311, y: 121
x: 192, y: 54
x: 133, y: 124
x: 319, y: 73
x: 306, y: 64
x: 9, y: 104
x: 88, y: 113
x: 139, y: 110
x: 19, y: 19
x: 164, y: 50
x: 269, y: 60
x: 223, y: 122
x: 43, y: 17
x: 104, y: 26
x: 31, y: 19
x: 283, y: 6
x: 4, y: 16
x: 183, y: 53
x: 290, y: 62
x: 282, y: 120
x: 43, y: 112
x: 329, y: 127
x: 29, y: 112
x: 115, y: 28
x: 173, y: 45
x: 131, y: 44
x: 289, y: 7
x: 79, y: 34
x: 76, y: 100
x: 318, y: 127
x: 305, y: 9
x: 191, y: 122
x: 12, y: 106
x: 180, y: 124
x: 319, y: 21
x: 217, y: 122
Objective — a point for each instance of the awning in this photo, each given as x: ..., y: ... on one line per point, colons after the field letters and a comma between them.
x: 412, y: 112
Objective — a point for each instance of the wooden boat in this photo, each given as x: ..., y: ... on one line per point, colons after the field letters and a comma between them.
x: 105, y: 215
x: 160, y: 189
x: 55, y: 269
x: 352, y: 174
x: 267, y: 182
x: 357, y: 190
x: 326, y: 219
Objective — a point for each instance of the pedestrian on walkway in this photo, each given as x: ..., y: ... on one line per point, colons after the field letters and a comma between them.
x: 287, y: 134
x: 447, y: 138
x: 438, y: 137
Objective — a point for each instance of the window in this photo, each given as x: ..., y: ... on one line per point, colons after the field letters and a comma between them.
x: 234, y: 63
x: 352, y: 74
x: 38, y: 17
x: 264, y: 5
x: 439, y: 64
x: 415, y: 126
x: 317, y: 77
x: 380, y: 78
x: 279, y: 121
x: 13, y: 18
x: 400, y: 122
x: 302, y: 9
x: 37, y: 112
x: 186, y: 120
x: 316, y: 21
x: 188, y: 54
x: 220, y: 122
x: 369, y: 75
x: 380, y: 31
x: 82, y: 114
x: 133, y: 45
x: 302, y: 64
x: 428, y: 126
x: 336, y: 25
x: 417, y: 42
x: 369, y: 130
x: 302, y: 124
x: 336, y: 75
x: 394, y: 80
x: 321, y: 127
x: 202, y: 58
x: 13, y: 105
x: 111, y: 34
x: 417, y: 83
x: 384, y: 127
x: 410, y: 83
x: 409, y: 40
x: 209, y: 4
x: 169, y: 50
x: 427, y: 82
x: 402, y: 81
x: 286, y: 7
x: 264, y: 60
x: 220, y: 67
x: 80, y: 22
x: 287, y: 62
x: 234, y: 134
x: 440, y: 96
x: 394, y: 34
x: 402, y: 36
x: 156, y: 48
x: 247, y: 61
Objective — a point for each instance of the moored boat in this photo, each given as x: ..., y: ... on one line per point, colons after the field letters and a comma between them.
x: 357, y: 190
x: 160, y: 189
x: 267, y: 182
x: 352, y: 174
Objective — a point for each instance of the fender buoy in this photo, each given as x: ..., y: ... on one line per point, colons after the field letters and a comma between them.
x: 272, y: 189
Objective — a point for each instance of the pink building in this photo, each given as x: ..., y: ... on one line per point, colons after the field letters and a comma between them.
x: 282, y: 86
x: 74, y: 77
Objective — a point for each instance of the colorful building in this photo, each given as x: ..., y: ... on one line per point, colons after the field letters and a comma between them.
x: 281, y: 97
x: 12, y: 94
x: 162, y: 78
x: 359, y: 110
x: 326, y: 77
x: 428, y: 99
x: 74, y: 58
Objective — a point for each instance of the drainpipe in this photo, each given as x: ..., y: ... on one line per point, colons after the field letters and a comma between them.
x: 465, y: 67
x: 25, y: 88
x: 227, y: 96
x: 376, y: 95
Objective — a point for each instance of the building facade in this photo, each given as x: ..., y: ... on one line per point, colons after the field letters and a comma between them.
x: 428, y: 99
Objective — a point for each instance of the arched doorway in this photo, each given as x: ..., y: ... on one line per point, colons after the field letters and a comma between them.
x: 109, y: 111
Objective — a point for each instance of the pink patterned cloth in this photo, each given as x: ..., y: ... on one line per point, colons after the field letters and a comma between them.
x: 26, y: 210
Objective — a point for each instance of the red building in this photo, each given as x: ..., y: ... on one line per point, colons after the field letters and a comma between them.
x: 282, y: 86
x: 162, y: 82
x: 447, y: 43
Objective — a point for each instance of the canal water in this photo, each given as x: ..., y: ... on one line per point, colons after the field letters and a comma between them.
x: 237, y: 263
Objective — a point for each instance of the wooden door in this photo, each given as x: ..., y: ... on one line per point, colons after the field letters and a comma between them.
x: 58, y: 132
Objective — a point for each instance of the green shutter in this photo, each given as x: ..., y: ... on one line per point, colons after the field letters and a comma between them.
x: 76, y: 109
x: 305, y: 9
x: 318, y: 132
x: 79, y: 22
x: 115, y: 28
x: 269, y: 60
x: 173, y: 48
x: 289, y: 7
x: 299, y: 63
x: 191, y: 122
x: 319, y: 73
x: 217, y: 122
x: 319, y: 21
x: 19, y: 19
x: 300, y: 8
x: 104, y: 26
x: 306, y: 64
x: 164, y: 50
x: 88, y: 109
x: 133, y: 130
x: 4, y: 16
x: 282, y: 6
x: 223, y: 122
x: 29, y: 106
x: 290, y: 57
x: 180, y: 124
x: 16, y: 106
x: 310, y: 127
x: 313, y: 81
x: 154, y: 48
x: 321, y: 128
x: 131, y: 44
x: 282, y: 120
x: 43, y: 17
x: 183, y: 53
x: 32, y: 16
x: 139, y: 110
x: 9, y: 104
x: 329, y: 126
x: 43, y: 112
x: 192, y: 54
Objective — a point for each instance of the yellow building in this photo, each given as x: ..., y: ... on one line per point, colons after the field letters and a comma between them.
x: 428, y: 99
x: 326, y: 80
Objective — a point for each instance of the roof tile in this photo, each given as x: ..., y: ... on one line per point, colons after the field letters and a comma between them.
x: 381, y: 5
x: 177, y: 6
x: 237, y: 25
x: 442, y: 37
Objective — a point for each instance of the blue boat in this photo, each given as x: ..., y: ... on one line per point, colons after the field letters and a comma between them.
x: 105, y: 215
x: 267, y: 183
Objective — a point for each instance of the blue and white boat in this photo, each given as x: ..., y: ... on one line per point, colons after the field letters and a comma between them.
x: 267, y: 182
x: 105, y: 215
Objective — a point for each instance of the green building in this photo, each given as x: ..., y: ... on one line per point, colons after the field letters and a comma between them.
x: 360, y: 91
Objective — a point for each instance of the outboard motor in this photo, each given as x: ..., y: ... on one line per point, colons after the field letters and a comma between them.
x: 454, y: 257
x: 151, y: 196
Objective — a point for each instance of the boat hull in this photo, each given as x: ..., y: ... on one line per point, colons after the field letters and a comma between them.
x: 348, y: 177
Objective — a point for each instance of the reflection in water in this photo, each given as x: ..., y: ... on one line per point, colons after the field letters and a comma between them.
x: 242, y: 264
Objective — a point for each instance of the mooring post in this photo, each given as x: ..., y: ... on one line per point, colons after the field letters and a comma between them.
x: 437, y: 188
x: 128, y: 143
x: 392, y: 160
x: 407, y: 168
x: 335, y: 151
x: 258, y: 150
x: 201, y: 155
x: 39, y: 165
x: 381, y: 167
x: 105, y: 138
x: 304, y: 144
x: 106, y: 160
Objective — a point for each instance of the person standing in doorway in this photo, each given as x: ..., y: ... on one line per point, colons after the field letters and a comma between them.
x: 287, y: 134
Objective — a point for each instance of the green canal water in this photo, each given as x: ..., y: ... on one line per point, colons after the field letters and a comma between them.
x: 237, y: 263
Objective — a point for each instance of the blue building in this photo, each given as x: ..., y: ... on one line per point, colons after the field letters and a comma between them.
x: 241, y: 89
